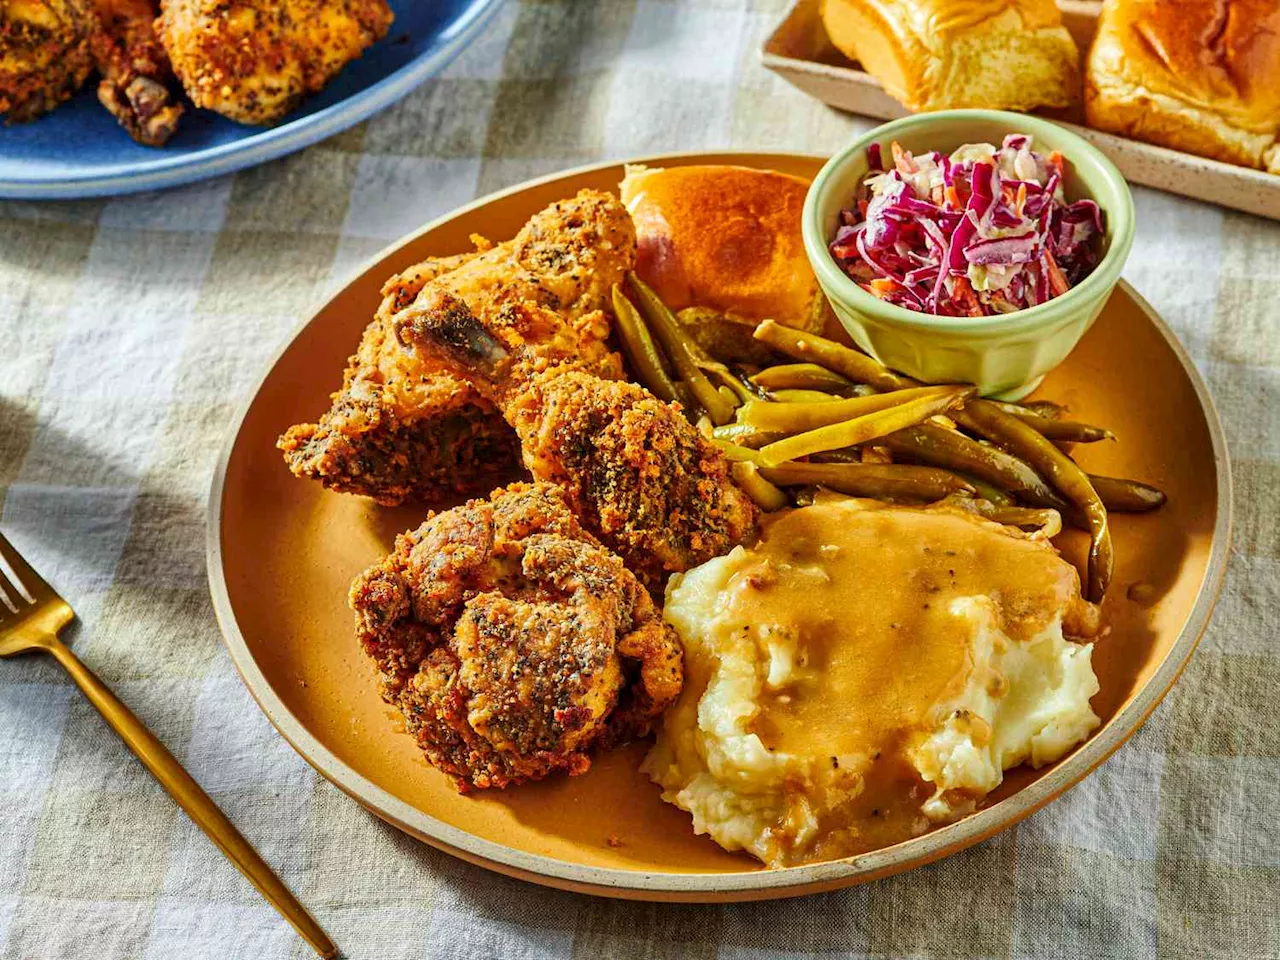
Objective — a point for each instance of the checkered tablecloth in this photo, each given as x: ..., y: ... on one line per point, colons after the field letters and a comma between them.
x: 131, y: 328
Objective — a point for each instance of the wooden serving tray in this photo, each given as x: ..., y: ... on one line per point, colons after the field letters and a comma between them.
x: 800, y: 51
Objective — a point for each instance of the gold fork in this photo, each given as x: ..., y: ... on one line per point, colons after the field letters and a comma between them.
x: 30, y: 620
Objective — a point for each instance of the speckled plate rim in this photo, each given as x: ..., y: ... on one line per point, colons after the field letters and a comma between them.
x: 264, y: 145
x: 718, y: 887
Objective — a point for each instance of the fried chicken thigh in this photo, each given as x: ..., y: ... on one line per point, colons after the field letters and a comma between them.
x: 406, y: 427
x: 45, y: 54
x: 636, y: 472
x: 255, y: 60
x: 512, y: 641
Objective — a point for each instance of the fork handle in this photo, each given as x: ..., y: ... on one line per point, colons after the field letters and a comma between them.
x: 191, y: 797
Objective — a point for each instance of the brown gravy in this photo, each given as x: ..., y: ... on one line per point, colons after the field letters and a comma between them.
x: 860, y: 595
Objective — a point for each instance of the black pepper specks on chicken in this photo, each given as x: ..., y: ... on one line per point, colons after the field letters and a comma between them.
x: 512, y: 641
x: 405, y: 426
x: 635, y: 471
x: 255, y: 60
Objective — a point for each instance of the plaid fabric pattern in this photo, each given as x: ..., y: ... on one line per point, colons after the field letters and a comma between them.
x: 131, y: 327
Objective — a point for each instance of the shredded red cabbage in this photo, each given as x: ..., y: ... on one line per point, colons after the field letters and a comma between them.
x: 983, y: 231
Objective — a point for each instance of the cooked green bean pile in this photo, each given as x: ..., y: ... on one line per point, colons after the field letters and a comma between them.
x: 831, y: 417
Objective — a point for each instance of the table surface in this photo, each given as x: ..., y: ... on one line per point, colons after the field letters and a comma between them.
x: 132, y: 329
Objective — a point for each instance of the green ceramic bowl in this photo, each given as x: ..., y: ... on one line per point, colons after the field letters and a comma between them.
x: 1006, y: 355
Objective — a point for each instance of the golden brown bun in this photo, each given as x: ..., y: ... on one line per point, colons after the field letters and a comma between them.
x: 723, y: 237
x: 937, y: 54
x: 1189, y: 76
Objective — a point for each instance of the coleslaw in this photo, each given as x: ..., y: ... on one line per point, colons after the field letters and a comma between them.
x: 981, y: 232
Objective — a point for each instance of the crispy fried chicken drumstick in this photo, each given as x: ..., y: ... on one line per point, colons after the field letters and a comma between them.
x: 404, y: 426
x: 639, y: 476
x: 512, y: 641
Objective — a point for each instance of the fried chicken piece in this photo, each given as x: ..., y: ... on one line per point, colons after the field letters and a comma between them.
x: 45, y: 54
x: 255, y: 60
x: 403, y: 427
x: 137, y: 80
x: 639, y: 476
x: 512, y: 642
x: 396, y: 433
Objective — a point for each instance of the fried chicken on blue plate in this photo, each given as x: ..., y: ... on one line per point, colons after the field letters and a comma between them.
x: 256, y: 60
x: 513, y: 643
x: 406, y: 427
x: 45, y: 54
x: 137, y: 85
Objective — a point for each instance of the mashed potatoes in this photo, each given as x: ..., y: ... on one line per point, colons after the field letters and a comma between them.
x: 866, y: 672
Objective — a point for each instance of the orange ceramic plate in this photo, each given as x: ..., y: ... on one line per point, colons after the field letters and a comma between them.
x: 282, y: 552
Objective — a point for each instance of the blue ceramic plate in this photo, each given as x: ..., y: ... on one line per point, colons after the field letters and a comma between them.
x: 79, y: 151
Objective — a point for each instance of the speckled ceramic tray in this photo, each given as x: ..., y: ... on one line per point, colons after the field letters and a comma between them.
x: 283, y: 551
x: 800, y: 51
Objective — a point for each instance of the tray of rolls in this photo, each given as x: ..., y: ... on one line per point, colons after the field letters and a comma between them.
x: 1183, y: 97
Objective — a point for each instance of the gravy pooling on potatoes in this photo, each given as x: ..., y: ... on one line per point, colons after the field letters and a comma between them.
x: 858, y: 626
x: 865, y: 600
x: 867, y: 603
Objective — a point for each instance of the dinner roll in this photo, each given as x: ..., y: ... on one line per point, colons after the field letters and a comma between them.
x: 1195, y: 75
x: 938, y: 54
x: 724, y: 237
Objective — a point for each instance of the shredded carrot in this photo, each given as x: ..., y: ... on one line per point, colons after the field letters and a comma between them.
x: 953, y: 198
x: 1055, y: 161
x: 963, y: 293
x: 882, y: 285
x: 1057, y: 282
x: 1021, y: 198
x: 901, y: 159
x: 936, y: 194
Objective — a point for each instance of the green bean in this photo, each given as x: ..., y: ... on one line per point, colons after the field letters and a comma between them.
x: 735, y: 452
x: 989, y: 492
x: 766, y: 496
x: 801, y: 376
x: 811, y: 348
x: 1127, y: 496
x: 1060, y: 470
x: 1048, y: 521
x: 1067, y: 431
x: 728, y: 380
x: 641, y: 352
x: 801, y: 396
x: 799, y: 417
x: 746, y: 436
x: 863, y: 428
x: 1041, y: 408
x: 953, y: 450
x: 725, y: 337
x: 676, y: 344
x: 891, y: 481
x: 845, y: 455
